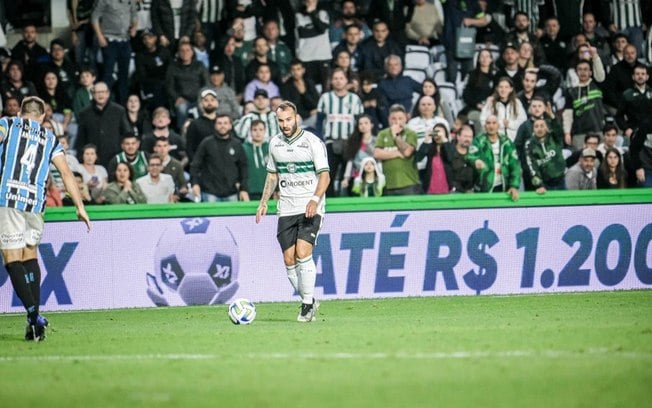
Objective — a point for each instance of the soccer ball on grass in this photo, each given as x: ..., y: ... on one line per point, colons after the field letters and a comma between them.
x: 242, y: 311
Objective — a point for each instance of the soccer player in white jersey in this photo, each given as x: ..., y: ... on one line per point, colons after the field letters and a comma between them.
x: 298, y: 164
x: 26, y: 150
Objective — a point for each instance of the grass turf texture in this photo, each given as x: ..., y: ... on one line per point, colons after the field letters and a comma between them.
x: 581, y: 349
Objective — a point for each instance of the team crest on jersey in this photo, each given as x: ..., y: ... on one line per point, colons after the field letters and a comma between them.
x: 231, y: 151
x: 292, y: 168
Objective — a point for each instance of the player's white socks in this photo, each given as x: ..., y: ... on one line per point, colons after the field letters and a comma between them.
x: 293, y: 278
x: 307, y: 275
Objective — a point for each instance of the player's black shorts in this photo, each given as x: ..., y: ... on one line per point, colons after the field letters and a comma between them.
x: 293, y: 227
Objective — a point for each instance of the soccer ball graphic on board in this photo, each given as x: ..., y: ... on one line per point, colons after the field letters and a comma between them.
x: 195, y: 263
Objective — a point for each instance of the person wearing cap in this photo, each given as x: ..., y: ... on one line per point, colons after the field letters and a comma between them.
x: 226, y: 97
x: 204, y: 125
x: 582, y: 176
x: 262, y: 111
x: 152, y: 62
x: 509, y: 66
x: 62, y: 66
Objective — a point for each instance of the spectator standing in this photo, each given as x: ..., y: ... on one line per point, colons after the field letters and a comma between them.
x: 114, y: 24
x: 183, y: 80
x: 261, y: 57
x: 506, y: 107
x: 348, y: 18
x: 102, y: 123
x: 219, y: 166
x: 495, y: 161
x: 376, y: 48
x: 227, y: 101
x: 456, y: 154
x: 360, y: 145
x: 438, y: 170
x: 456, y: 14
x: 302, y: 92
x: 173, y: 21
x: 544, y: 158
x: 640, y: 150
x: 152, y: 62
x: 256, y: 149
x: 279, y: 53
x: 313, y: 44
x: 426, y: 24
x: 337, y: 112
x: 395, y: 148
x: 350, y: 43
x: 157, y: 187
x: 554, y: 47
x: 637, y: 101
x: 81, y: 30
x: 30, y: 53
x: 231, y: 65
x: 204, y: 125
x: 584, y: 111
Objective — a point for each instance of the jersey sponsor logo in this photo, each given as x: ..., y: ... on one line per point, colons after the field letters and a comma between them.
x: 295, y: 183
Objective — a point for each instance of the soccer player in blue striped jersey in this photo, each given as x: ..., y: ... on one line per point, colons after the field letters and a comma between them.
x: 298, y: 164
x: 26, y: 151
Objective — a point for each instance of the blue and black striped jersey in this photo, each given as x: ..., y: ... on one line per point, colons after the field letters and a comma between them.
x: 26, y: 150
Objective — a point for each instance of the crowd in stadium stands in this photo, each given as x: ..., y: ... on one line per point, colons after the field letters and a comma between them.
x: 174, y: 100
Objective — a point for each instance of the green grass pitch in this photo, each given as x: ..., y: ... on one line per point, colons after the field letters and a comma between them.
x: 557, y: 350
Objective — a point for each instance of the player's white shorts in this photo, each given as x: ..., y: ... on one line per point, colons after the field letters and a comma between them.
x: 19, y: 229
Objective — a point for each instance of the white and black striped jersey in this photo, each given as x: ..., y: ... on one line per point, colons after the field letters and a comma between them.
x: 340, y: 114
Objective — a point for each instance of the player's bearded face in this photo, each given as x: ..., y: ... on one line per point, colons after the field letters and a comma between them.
x: 289, y: 127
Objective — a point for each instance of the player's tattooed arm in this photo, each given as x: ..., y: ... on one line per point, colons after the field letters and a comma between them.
x: 271, y: 182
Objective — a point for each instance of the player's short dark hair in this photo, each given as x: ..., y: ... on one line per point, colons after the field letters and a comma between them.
x: 520, y: 13
x: 223, y: 115
x: 639, y: 65
x: 287, y: 105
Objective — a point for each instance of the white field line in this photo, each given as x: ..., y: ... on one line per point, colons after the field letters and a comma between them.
x: 451, y: 355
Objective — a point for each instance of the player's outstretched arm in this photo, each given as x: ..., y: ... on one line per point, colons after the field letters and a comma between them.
x: 70, y: 183
x: 270, y: 185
